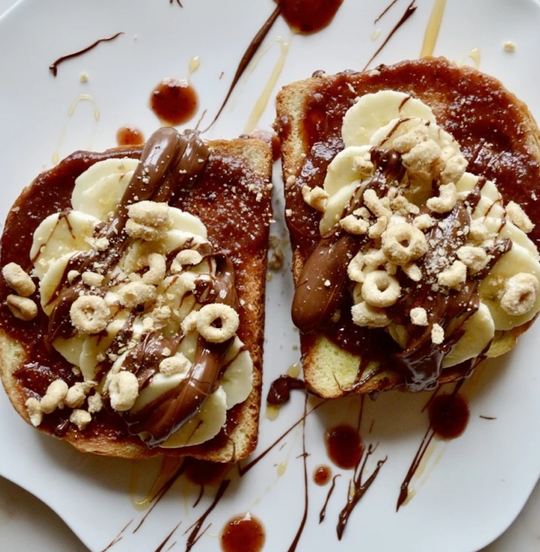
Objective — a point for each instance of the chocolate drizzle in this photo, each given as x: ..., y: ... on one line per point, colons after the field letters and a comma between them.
x: 54, y: 66
x: 195, y: 529
x: 247, y: 57
x: 448, y: 418
x: 280, y: 389
x: 357, y: 489
x: 322, y: 513
x: 411, y: 8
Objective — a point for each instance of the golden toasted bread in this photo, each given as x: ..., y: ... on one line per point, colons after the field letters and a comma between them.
x: 500, y: 141
x: 232, y: 194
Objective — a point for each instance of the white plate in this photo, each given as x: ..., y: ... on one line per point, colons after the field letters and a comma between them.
x: 473, y: 487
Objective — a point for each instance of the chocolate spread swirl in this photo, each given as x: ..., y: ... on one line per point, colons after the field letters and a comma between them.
x: 323, y: 286
x: 170, y: 163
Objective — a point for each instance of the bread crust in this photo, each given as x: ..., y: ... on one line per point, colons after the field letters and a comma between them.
x: 256, y: 156
x: 469, y: 104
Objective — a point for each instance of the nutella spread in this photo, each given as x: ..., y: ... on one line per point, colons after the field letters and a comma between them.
x: 415, y: 245
x: 138, y: 300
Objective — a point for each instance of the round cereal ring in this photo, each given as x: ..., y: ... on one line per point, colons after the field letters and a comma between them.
x: 209, y: 315
x: 402, y: 243
x: 380, y: 289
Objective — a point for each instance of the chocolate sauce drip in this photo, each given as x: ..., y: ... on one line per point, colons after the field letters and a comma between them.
x: 247, y: 57
x: 359, y: 489
x: 118, y: 537
x: 243, y: 533
x: 178, y: 2
x: 54, y: 66
x: 303, y: 521
x: 322, y: 513
x: 174, y: 101
x: 280, y: 389
x: 448, y: 418
x: 129, y: 136
x: 344, y: 446
x: 411, y: 8
x: 322, y: 475
x: 167, y: 538
x: 384, y: 12
x: 309, y: 16
x: 196, y: 527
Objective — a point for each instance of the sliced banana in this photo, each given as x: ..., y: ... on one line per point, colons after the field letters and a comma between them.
x: 50, y: 283
x: 159, y: 385
x: 188, y: 345
x: 99, y: 189
x: 237, y: 381
x: 373, y: 111
x: 517, y: 260
x: 466, y: 184
x: 187, y: 222
x: 478, y: 330
x: 335, y: 207
x: 341, y: 172
x: 58, y: 235
x: 70, y: 348
x: 505, y: 229
x: 213, y: 415
x: 385, y: 136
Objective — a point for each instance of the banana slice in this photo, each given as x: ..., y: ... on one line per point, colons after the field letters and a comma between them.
x: 58, y: 235
x: 237, y: 381
x: 385, y: 136
x: 341, y: 172
x: 466, y: 184
x: 205, y: 425
x: 188, y: 345
x: 505, y: 229
x: 187, y: 222
x: 517, y: 260
x: 101, y: 187
x: 51, y: 281
x: 479, y: 331
x: 158, y: 386
x: 335, y: 207
x: 71, y: 348
x: 373, y: 111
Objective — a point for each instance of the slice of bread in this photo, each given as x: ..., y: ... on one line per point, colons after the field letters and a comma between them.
x: 498, y: 137
x: 233, y: 199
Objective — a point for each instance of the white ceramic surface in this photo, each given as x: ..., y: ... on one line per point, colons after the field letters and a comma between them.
x: 472, y: 489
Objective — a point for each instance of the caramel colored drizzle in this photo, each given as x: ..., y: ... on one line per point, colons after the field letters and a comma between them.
x: 54, y: 66
x: 433, y: 28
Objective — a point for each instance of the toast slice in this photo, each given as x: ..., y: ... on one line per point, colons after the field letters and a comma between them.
x: 498, y: 138
x: 231, y: 193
